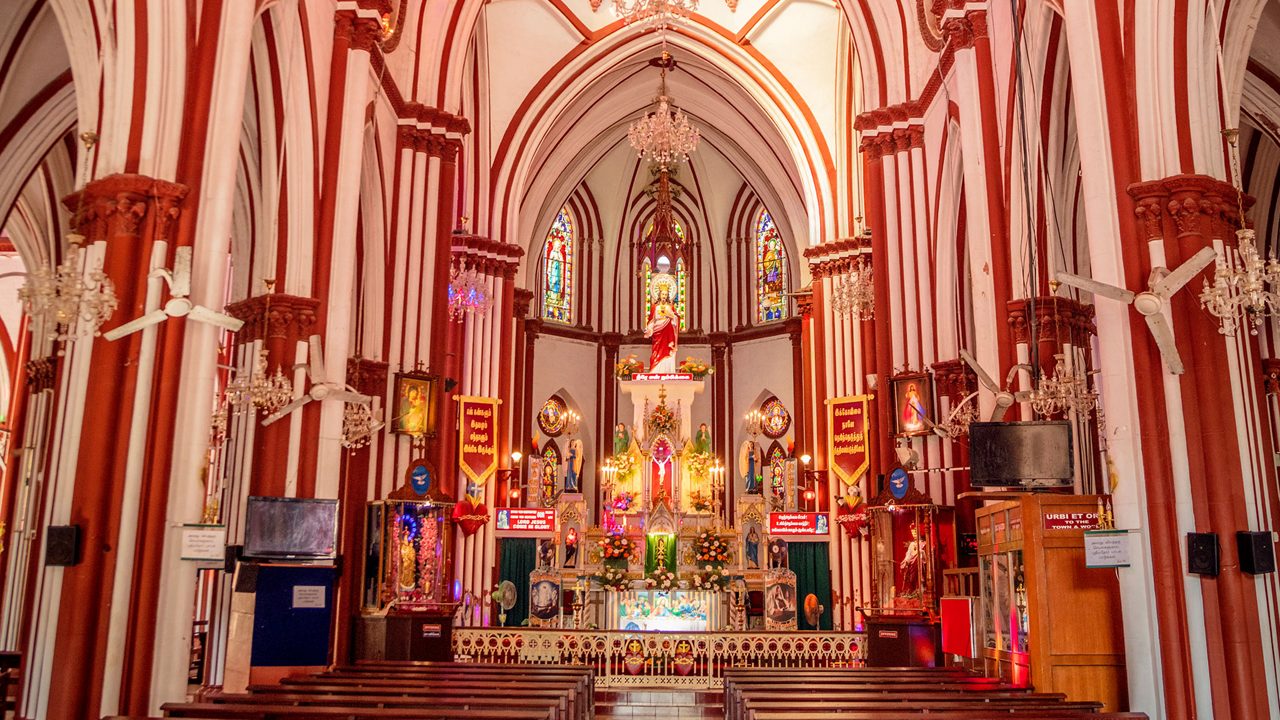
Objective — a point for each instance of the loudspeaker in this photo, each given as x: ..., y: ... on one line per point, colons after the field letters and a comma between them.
x: 1257, y: 552
x: 234, y: 553
x: 246, y: 578
x: 62, y: 546
x: 1202, y: 553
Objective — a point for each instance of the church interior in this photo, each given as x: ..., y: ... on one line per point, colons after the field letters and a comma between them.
x: 755, y: 359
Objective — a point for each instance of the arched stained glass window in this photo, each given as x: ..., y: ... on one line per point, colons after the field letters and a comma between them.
x: 682, y: 282
x: 771, y: 275
x: 557, y: 264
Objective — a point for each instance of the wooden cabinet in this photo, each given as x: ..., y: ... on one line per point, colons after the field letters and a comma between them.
x: 1045, y: 619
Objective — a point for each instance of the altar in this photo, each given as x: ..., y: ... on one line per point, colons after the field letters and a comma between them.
x: 666, y: 610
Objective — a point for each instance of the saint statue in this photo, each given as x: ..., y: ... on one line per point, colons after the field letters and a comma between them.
x: 753, y: 549
x: 571, y: 549
x: 621, y: 439
x: 750, y: 464
x: 910, y: 565
x: 913, y: 413
x: 408, y: 575
x: 573, y: 467
x: 702, y: 440
x: 662, y: 327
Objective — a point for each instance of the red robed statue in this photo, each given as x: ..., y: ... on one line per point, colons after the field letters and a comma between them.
x: 663, y: 325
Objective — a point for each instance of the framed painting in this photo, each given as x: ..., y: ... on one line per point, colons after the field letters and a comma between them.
x: 779, y: 600
x: 544, y: 599
x: 414, y: 404
x: 913, y: 411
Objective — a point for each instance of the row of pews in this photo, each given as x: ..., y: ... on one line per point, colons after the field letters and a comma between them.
x: 884, y: 693
x: 422, y: 690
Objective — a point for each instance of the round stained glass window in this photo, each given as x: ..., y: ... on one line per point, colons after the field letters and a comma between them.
x: 776, y: 418
x: 552, y: 415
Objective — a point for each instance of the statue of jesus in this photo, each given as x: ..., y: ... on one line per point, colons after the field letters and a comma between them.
x: 663, y: 325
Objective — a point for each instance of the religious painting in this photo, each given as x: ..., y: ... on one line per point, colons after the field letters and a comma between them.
x: 552, y: 415
x: 776, y: 418
x: 544, y: 598
x: 557, y: 268
x: 771, y: 277
x: 779, y: 558
x: 913, y: 404
x: 414, y: 404
x: 780, y: 600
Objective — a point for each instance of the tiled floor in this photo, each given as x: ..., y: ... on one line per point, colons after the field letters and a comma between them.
x: 674, y: 704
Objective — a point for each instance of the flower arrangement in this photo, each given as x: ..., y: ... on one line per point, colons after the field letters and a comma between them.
x: 614, y: 578
x: 661, y: 579
x: 623, y: 465
x: 699, y: 464
x: 710, y: 550
x: 662, y: 420
x: 617, y: 547
x: 628, y: 366
x: 695, y: 367
x: 700, y: 501
x: 623, y: 501
x: 711, y: 578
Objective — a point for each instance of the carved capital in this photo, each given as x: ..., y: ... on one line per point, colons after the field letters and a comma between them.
x: 365, y: 34
x: 1059, y: 320
x: 954, y: 379
x: 368, y: 377
x: 275, y: 315
x: 901, y: 140
x: 957, y: 33
x: 117, y: 205
x: 523, y: 302
x: 1271, y: 376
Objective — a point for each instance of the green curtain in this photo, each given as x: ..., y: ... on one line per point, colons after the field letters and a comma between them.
x: 651, y: 552
x: 809, y: 561
x: 519, y: 558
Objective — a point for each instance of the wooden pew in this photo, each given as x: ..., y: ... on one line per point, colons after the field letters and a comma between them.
x: 410, y: 694
x: 266, y: 711
x: 577, y: 691
x: 468, y: 701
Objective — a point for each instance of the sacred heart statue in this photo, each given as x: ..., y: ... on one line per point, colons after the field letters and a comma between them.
x: 470, y: 514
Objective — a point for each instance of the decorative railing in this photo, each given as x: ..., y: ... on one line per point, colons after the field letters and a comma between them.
x: 696, y: 660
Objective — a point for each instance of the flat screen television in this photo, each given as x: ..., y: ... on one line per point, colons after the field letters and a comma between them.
x: 291, y: 528
x: 1011, y: 454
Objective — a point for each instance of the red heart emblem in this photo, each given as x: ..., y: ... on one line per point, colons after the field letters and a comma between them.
x: 470, y: 515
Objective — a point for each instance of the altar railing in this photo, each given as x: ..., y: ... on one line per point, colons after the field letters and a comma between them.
x: 696, y: 660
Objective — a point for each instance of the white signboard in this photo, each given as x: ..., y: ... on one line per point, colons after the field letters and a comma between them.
x: 204, y: 542
x: 308, y: 597
x: 1106, y: 548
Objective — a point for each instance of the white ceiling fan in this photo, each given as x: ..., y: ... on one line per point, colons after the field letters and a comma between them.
x: 1152, y: 302
x: 321, y: 387
x: 1005, y: 398
x: 179, y: 304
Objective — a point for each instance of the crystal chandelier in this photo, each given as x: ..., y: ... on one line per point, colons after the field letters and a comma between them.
x: 69, y: 301
x: 359, y: 423
x: 1064, y: 391
x: 854, y: 293
x: 664, y: 136
x: 656, y: 14
x: 958, y: 421
x: 467, y: 292
x: 259, y: 389
x: 1244, y: 290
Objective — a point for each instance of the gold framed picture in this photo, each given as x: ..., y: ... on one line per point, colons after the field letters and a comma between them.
x: 415, y: 404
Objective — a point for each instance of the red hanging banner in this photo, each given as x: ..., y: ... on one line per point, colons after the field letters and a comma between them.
x: 478, y: 437
x: 849, y: 427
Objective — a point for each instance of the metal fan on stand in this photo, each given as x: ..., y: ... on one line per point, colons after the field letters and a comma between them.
x: 506, y: 597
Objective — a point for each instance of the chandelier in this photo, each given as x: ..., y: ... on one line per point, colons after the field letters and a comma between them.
x: 1244, y: 290
x: 656, y: 14
x: 664, y: 136
x: 259, y: 389
x: 854, y: 293
x: 359, y: 423
x: 1064, y: 391
x: 961, y: 417
x: 467, y: 292
x: 69, y: 301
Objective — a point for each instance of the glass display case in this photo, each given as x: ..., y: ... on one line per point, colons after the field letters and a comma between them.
x: 911, y: 544
x: 405, y: 554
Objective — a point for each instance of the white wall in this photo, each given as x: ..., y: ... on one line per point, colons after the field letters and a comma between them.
x: 760, y: 368
x: 568, y: 368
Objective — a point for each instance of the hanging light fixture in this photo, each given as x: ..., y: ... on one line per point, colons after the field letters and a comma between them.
x: 656, y: 14
x: 72, y: 300
x: 359, y: 422
x: 467, y: 291
x: 1065, y: 390
x: 664, y: 136
x: 259, y: 388
x: 854, y: 292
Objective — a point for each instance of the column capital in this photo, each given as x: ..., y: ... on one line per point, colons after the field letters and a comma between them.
x: 275, y: 315
x: 1058, y: 319
x: 116, y: 205
x: 1195, y: 207
x: 955, y: 379
x: 523, y: 303
x: 41, y: 373
x: 367, y: 376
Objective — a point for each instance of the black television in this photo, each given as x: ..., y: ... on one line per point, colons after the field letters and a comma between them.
x: 1016, y: 454
x: 278, y: 528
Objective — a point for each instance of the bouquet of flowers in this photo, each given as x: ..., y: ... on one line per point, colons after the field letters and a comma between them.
x: 699, y: 464
x: 709, y: 549
x: 623, y: 501
x: 628, y: 366
x: 661, y: 579
x: 614, y: 578
x: 711, y: 578
x: 700, y: 501
x: 662, y: 420
x: 617, y: 547
x: 695, y: 367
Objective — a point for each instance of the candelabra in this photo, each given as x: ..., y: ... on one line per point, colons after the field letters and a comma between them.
x: 754, y: 421
x: 961, y: 417
x: 1243, y: 290
x: 69, y: 301
x: 657, y: 14
x: 854, y: 293
x: 572, y: 421
x: 259, y: 388
x: 359, y: 423
x: 665, y: 135
x: 1065, y: 390
x: 717, y: 487
x: 467, y: 292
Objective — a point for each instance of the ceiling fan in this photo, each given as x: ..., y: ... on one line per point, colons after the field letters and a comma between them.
x: 1005, y: 398
x: 179, y: 304
x: 1152, y: 302
x: 321, y: 387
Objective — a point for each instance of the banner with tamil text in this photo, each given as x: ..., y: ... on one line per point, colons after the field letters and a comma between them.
x: 849, y: 433
x: 478, y: 437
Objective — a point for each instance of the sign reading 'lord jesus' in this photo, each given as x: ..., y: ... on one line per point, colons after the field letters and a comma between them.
x: 478, y: 437
x: 850, y: 431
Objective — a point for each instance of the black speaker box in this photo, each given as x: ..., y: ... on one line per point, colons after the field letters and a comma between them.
x: 1257, y: 552
x: 1202, y: 553
x: 62, y: 546
x: 233, y: 556
x: 246, y: 578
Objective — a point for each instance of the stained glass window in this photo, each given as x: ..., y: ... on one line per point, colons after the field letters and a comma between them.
x: 682, y: 282
x: 557, y: 263
x: 771, y: 277
x: 776, y: 418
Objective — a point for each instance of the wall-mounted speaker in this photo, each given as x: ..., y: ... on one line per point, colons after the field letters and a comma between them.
x: 246, y: 578
x: 1202, y: 553
x: 62, y: 545
x: 234, y: 553
x: 1257, y: 552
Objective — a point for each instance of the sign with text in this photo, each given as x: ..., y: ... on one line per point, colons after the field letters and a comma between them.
x: 478, y: 437
x: 1075, y: 520
x: 798, y: 523
x: 308, y: 597
x: 204, y: 542
x: 525, y: 522
x: 849, y: 424
x: 651, y: 377
x: 1106, y: 548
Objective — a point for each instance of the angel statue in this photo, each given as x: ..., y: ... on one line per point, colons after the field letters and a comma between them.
x: 662, y: 327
